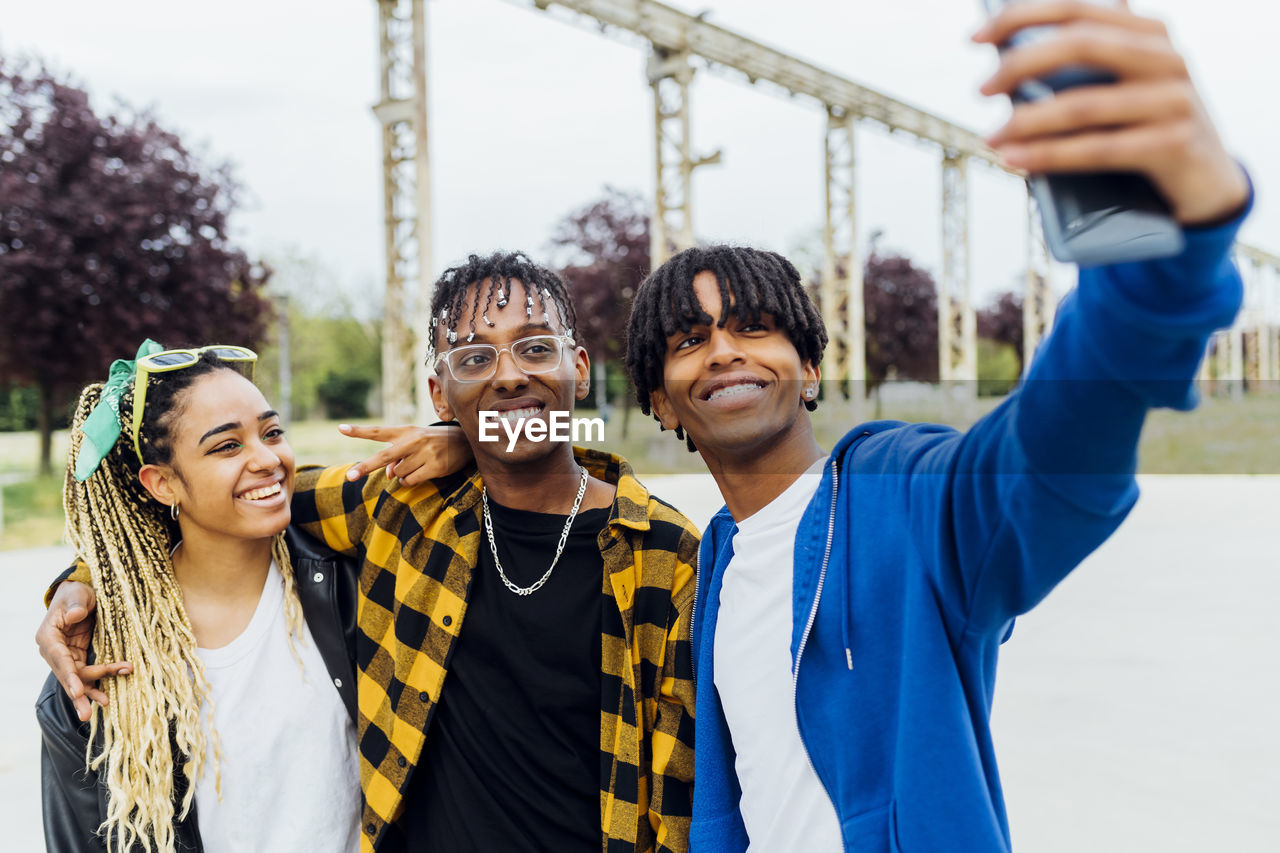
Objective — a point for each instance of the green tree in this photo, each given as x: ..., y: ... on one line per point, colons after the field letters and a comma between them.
x: 334, y: 341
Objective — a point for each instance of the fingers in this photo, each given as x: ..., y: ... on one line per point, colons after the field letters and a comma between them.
x: 1096, y: 108
x: 1140, y: 149
x: 384, y: 458
x: 1131, y: 56
x: 1017, y: 16
x: 84, y: 708
x: 88, y: 676
x: 65, y: 670
x: 94, y: 671
x: 435, y: 452
x: 373, y: 432
x: 397, y: 437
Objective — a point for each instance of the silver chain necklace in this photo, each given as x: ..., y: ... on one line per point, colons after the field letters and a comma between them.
x: 564, y: 537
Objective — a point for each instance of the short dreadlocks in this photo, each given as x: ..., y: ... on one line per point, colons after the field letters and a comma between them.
x: 542, y: 290
x: 755, y: 281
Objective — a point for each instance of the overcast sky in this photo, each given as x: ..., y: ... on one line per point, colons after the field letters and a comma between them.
x: 531, y: 116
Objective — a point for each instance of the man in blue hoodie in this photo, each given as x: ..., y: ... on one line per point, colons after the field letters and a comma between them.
x: 850, y: 605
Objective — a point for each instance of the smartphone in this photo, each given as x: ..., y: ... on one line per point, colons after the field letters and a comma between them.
x: 1096, y: 218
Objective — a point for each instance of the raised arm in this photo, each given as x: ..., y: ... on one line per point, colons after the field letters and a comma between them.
x: 1006, y: 510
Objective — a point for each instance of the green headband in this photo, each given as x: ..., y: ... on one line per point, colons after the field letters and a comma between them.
x: 103, y: 427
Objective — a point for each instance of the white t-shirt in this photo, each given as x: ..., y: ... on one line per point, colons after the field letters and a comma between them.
x: 784, y: 805
x: 290, y: 771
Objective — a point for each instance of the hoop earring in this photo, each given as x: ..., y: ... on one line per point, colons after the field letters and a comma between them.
x: 174, y: 510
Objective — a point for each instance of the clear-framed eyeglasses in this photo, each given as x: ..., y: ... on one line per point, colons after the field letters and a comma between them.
x: 478, y: 362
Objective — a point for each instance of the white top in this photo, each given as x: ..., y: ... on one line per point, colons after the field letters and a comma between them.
x: 784, y: 806
x: 290, y: 771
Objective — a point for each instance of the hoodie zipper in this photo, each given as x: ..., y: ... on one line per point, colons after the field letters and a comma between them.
x: 813, y: 615
x: 693, y: 613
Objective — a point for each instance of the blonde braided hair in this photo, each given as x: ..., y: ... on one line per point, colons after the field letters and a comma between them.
x: 125, y: 537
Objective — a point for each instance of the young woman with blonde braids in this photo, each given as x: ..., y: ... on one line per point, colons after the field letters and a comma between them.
x: 229, y: 734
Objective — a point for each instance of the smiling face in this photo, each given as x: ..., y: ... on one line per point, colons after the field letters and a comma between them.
x: 231, y: 470
x: 512, y: 392
x: 738, y: 391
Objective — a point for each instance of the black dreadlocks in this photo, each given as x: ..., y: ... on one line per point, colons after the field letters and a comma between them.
x: 756, y: 281
x: 542, y: 288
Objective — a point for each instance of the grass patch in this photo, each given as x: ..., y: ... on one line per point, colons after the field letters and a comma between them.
x: 32, y: 513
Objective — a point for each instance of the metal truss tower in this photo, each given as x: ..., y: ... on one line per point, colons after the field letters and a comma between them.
x: 671, y: 226
x: 402, y: 112
x: 957, y: 323
x: 842, y: 263
x: 1038, y: 305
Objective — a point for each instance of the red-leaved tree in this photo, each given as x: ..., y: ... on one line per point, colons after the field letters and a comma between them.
x: 604, y: 255
x: 603, y: 251
x: 1001, y: 321
x: 110, y: 232
x: 901, y: 304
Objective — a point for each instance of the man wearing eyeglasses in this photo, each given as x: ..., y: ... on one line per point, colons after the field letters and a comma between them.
x: 523, y: 638
x: 561, y: 719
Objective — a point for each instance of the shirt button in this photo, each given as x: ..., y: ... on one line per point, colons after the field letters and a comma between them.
x: 337, y: 682
x: 371, y: 829
x: 401, y: 761
x: 318, y: 577
x: 447, y: 621
x: 423, y: 696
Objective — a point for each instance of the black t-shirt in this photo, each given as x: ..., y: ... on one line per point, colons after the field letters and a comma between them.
x: 512, y: 758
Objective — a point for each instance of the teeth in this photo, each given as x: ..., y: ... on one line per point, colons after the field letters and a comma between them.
x: 733, y: 390
x: 519, y: 414
x: 259, y: 494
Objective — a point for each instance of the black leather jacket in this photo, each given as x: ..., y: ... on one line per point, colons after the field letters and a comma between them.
x: 75, y: 800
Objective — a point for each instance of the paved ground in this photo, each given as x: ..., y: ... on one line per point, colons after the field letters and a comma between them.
x: 1136, y: 708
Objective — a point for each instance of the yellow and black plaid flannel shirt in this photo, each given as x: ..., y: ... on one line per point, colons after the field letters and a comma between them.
x: 419, y: 549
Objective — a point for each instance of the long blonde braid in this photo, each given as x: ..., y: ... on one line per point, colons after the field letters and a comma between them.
x: 126, y: 538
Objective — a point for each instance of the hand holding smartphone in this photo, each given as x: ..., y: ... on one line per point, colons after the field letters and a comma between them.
x: 1091, y: 218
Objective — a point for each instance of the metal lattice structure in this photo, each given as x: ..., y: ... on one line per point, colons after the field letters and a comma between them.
x: 842, y: 263
x: 957, y: 324
x: 402, y: 112
x: 671, y: 226
x: 1037, y: 296
x: 676, y: 40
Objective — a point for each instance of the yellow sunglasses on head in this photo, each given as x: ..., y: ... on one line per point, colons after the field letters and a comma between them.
x: 177, y: 359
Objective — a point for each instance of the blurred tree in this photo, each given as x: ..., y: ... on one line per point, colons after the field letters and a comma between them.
x: 901, y: 306
x: 110, y: 232
x: 1001, y: 321
x: 603, y: 251
x: 344, y: 396
x: 332, y: 329
x: 603, y: 256
x: 18, y: 405
x: 998, y: 371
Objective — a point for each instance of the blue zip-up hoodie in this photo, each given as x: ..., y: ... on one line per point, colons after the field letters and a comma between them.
x: 922, y: 544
